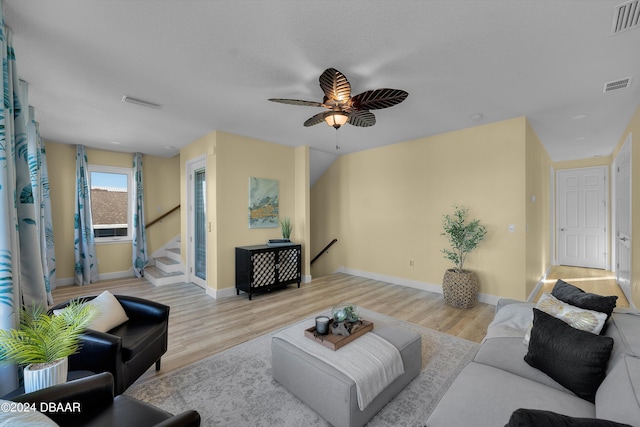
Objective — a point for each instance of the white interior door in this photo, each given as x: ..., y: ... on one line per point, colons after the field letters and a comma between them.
x: 622, y: 189
x: 197, y: 223
x: 582, y: 217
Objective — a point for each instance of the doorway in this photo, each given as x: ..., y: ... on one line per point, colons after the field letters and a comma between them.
x: 197, y: 222
x: 582, y: 217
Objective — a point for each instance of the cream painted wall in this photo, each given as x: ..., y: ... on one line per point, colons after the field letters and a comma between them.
x: 231, y: 161
x: 538, y: 205
x: 385, y: 207
x: 583, y: 163
x: 301, y: 220
x: 161, y: 189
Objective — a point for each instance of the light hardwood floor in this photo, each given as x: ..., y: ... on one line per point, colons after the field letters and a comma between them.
x: 200, y: 326
x: 601, y: 282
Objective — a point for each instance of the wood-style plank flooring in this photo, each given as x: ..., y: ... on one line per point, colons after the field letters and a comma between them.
x: 200, y: 326
x: 601, y: 282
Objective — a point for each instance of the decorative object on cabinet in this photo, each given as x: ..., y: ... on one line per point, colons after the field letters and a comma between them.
x: 261, y: 268
x: 285, y: 225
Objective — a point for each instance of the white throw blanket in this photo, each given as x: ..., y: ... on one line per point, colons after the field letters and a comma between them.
x: 511, y: 321
x: 370, y: 361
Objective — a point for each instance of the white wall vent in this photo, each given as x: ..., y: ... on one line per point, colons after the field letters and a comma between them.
x: 617, y: 84
x: 626, y: 16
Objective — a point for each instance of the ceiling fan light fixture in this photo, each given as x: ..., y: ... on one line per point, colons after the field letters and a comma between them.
x: 336, y: 119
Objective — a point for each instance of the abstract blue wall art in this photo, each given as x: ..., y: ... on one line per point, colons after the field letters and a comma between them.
x: 263, y: 203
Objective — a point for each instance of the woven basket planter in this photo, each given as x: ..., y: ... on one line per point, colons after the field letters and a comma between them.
x: 460, y: 289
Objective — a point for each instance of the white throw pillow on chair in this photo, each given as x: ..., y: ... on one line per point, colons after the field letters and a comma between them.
x: 110, y: 312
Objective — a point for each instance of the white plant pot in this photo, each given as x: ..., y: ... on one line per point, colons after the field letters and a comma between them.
x: 36, y: 379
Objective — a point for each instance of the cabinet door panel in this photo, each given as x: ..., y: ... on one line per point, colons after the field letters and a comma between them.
x: 288, y: 260
x: 264, y: 271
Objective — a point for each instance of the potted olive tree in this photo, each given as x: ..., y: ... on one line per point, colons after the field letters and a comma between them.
x: 42, y: 343
x: 460, y: 286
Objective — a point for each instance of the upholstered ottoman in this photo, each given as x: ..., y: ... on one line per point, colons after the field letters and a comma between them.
x: 331, y: 393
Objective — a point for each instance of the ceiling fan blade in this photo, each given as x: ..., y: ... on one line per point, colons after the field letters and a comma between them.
x: 296, y: 102
x: 335, y: 85
x: 318, y: 118
x: 362, y: 118
x: 379, y: 98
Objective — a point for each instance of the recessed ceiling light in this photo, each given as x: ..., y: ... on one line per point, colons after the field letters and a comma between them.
x: 581, y: 138
x: 169, y: 147
x: 579, y: 117
x: 116, y: 143
x: 477, y: 117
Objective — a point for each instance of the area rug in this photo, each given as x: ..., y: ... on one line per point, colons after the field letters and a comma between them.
x: 235, y: 388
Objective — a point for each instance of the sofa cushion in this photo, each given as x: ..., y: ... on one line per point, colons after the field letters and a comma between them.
x: 536, y: 418
x: 508, y: 354
x: 618, y: 398
x: 624, y: 328
x: 484, y: 395
x: 110, y: 312
x: 576, y: 296
x: 574, y: 358
x: 137, y: 336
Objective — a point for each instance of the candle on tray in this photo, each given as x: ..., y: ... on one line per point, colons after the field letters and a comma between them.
x: 322, y: 325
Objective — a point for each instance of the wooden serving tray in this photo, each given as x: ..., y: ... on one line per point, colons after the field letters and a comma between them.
x: 335, y: 342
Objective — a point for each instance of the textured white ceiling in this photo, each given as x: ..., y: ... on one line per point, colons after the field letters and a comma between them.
x: 213, y: 65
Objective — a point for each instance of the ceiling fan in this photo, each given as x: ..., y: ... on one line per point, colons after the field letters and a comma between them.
x: 342, y: 107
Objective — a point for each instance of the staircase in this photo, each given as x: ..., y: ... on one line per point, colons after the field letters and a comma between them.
x: 167, y: 269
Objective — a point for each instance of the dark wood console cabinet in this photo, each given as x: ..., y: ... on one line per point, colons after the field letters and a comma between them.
x: 261, y: 268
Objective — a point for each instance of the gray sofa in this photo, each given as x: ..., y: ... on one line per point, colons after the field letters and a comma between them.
x: 499, y: 381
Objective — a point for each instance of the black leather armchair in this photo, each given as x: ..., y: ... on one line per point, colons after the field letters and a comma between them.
x: 128, y: 350
x: 90, y: 402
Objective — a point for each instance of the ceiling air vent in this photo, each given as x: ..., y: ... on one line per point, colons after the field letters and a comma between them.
x: 617, y: 84
x: 626, y: 16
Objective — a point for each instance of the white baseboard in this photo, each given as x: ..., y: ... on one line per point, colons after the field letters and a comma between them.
x: 222, y: 293
x: 416, y: 284
x: 66, y: 281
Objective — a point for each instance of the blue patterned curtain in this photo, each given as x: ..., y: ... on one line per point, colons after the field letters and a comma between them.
x: 139, y: 252
x: 45, y: 225
x: 84, y: 247
x: 21, y: 272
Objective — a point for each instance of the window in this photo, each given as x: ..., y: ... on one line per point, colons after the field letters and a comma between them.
x: 111, y: 203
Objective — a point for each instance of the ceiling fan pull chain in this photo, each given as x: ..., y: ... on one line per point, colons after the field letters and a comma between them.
x: 337, y: 140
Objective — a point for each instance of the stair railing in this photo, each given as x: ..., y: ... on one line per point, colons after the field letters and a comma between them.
x: 161, y: 217
x: 324, y: 251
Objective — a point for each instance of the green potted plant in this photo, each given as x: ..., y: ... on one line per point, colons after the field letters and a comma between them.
x: 460, y: 286
x: 42, y: 343
x: 285, y: 226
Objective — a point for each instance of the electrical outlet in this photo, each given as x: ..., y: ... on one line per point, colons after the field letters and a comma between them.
x: 512, y: 228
